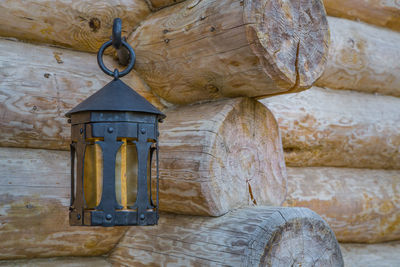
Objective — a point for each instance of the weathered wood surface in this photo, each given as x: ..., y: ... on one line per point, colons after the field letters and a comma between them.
x: 261, y: 236
x: 58, y: 262
x: 361, y: 205
x: 371, y: 255
x: 322, y: 127
x: 34, y: 201
x: 82, y: 25
x: 363, y: 58
x: 382, y: 13
x: 158, y: 4
x: 219, y: 155
x: 209, y: 49
x: 39, y: 84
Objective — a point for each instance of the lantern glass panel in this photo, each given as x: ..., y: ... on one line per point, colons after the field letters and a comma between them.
x: 93, y: 174
x: 126, y: 174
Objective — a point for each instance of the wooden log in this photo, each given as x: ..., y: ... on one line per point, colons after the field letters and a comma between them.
x: 59, y: 262
x: 199, y: 50
x: 39, y: 84
x: 384, y: 254
x: 215, y: 156
x: 322, y: 127
x: 261, y: 236
x: 82, y: 25
x: 361, y: 205
x: 381, y: 13
x: 158, y: 4
x: 219, y: 155
x: 34, y: 201
x: 363, y: 58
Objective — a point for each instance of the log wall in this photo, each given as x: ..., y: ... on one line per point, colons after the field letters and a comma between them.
x: 199, y: 50
x: 39, y: 84
x: 261, y: 236
x: 361, y: 205
x: 381, y: 13
x: 323, y: 127
x: 34, y: 201
x: 362, y: 58
x: 81, y: 25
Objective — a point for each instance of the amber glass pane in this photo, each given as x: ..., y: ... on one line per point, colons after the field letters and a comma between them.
x: 126, y: 170
x: 93, y: 175
x: 126, y: 173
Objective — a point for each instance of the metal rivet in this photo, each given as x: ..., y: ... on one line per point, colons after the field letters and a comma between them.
x: 143, y: 130
x: 110, y: 129
x: 81, y: 130
x: 108, y: 216
x: 69, y: 120
x: 212, y: 29
x: 78, y: 216
x: 166, y: 41
x: 141, y: 216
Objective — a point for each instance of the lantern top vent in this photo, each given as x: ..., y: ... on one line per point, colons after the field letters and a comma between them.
x: 116, y: 96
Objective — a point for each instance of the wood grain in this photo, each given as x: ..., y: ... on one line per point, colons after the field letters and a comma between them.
x: 260, y: 236
x: 158, y: 4
x: 361, y: 205
x: 371, y: 255
x: 322, y: 127
x: 82, y: 25
x: 59, y: 262
x: 362, y: 58
x: 39, y: 84
x: 34, y: 201
x: 201, y: 50
x: 220, y: 155
x: 381, y: 13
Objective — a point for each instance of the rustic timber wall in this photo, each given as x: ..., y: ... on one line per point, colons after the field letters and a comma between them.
x: 342, y: 147
x: 341, y: 140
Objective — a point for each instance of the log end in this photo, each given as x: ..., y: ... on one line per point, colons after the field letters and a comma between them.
x: 220, y: 155
x: 297, y: 237
x: 290, y: 38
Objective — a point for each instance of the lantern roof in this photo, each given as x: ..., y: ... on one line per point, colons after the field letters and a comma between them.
x: 116, y: 96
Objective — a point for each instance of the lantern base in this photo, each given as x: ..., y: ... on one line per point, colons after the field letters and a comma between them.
x: 118, y: 218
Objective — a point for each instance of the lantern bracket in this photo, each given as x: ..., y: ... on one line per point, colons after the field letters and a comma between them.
x: 126, y: 54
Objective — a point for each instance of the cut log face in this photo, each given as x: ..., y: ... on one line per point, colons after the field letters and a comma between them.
x: 362, y: 58
x: 322, y: 127
x: 261, y: 236
x: 382, y: 13
x: 39, y: 84
x: 199, y: 50
x: 218, y: 156
x: 361, y: 205
x: 34, y: 201
x: 79, y: 24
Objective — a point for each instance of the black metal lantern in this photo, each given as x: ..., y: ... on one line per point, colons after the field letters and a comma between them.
x: 114, y: 136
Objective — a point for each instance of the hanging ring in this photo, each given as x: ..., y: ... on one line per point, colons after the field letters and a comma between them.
x: 116, y: 74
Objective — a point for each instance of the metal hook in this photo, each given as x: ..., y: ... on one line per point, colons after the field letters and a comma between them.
x: 126, y: 54
x: 122, y: 52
